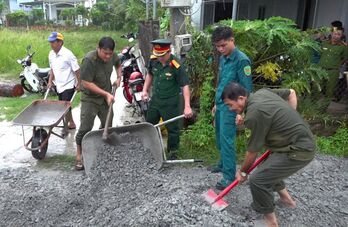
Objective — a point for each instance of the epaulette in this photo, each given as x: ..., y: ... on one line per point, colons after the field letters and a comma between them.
x: 175, y: 63
x: 153, y: 57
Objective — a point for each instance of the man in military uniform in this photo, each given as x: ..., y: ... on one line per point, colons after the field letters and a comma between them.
x: 96, y: 88
x: 334, y: 54
x: 167, y: 76
x: 234, y: 65
x: 276, y: 125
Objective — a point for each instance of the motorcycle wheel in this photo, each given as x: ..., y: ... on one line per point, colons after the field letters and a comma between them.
x: 27, y: 86
x: 39, y: 136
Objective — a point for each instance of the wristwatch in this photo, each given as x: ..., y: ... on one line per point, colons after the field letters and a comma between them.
x: 243, y: 174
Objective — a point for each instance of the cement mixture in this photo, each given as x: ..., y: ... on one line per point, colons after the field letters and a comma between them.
x: 125, y: 189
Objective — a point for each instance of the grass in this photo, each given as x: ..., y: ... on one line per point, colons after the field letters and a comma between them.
x: 62, y: 162
x: 14, y: 43
x: 336, y: 144
x: 210, y: 154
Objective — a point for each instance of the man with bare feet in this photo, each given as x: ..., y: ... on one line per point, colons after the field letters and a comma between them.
x: 276, y: 125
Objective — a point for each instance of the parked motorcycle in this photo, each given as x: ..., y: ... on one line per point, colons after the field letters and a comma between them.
x: 133, y: 71
x: 33, y: 78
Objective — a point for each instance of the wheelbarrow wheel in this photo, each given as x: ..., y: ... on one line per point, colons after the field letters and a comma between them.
x: 39, y: 136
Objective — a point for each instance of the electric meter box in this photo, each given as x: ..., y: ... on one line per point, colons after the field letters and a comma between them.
x: 183, y: 43
x: 175, y: 3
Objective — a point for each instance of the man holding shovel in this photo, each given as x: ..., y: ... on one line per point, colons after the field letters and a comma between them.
x: 96, y: 87
x: 167, y: 76
x: 276, y: 125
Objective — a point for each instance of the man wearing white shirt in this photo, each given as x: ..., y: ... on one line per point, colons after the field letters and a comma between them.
x: 65, y: 71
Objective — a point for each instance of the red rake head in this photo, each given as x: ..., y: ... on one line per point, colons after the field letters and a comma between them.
x: 212, y: 198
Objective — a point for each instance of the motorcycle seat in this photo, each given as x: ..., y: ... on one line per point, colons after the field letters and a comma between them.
x: 43, y: 72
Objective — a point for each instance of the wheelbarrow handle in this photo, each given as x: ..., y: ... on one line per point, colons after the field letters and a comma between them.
x: 46, y: 93
x: 170, y: 120
x: 72, y: 98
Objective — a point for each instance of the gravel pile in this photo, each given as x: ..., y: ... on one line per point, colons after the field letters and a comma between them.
x: 125, y: 189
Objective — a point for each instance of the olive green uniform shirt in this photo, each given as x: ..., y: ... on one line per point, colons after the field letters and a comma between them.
x: 95, y: 70
x: 168, y: 78
x: 277, y: 126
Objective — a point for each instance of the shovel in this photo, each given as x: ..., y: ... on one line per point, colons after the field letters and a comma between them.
x: 216, y: 200
x: 113, y: 137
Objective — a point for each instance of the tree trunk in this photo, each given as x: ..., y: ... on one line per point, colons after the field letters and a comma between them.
x: 11, y: 90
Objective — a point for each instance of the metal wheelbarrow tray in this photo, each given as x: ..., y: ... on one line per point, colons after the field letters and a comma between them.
x: 149, y: 135
x: 42, y: 114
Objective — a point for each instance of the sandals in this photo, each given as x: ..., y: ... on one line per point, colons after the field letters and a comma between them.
x: 79, y: 165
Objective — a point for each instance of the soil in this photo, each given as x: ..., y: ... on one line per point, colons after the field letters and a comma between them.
x: 125, y: 189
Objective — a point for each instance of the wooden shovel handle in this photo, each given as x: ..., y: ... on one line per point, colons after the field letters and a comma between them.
x: 106, y: 127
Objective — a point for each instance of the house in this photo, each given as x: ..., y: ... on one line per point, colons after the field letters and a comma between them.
x: 51, y: 8
x: 306, y: 13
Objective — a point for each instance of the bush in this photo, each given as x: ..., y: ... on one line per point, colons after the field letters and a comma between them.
x: 17, y: 18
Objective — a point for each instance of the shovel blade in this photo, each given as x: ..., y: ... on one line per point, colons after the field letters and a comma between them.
x: 113, y: 139
x: 210, y: 196
x: 220, y: 205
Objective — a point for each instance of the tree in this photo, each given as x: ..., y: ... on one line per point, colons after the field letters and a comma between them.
x: 17, y: 18
x: 2, y: 6
x: 37, y: 16
x: 67, y: 14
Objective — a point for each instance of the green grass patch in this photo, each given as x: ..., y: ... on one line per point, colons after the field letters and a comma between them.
x: 11, y: 106
x: 336, y: 144
x: 62, y: 162
x: 209, y: 152
x: 14, y: 43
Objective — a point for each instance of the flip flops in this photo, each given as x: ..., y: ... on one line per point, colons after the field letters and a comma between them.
x: 79, y: 165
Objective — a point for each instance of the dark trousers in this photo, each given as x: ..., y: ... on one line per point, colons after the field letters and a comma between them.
x: 268, y: 177
x: 66, y: 95
x: 89, y: 111
x: 166, y: 108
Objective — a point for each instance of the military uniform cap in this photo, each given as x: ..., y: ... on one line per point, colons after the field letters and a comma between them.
x: 161, y: 46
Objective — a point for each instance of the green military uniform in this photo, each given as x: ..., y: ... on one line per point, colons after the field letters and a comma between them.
x: 331, y: 59
x: 95, y: 70
x: 167, y: 81
x: 277, y: 126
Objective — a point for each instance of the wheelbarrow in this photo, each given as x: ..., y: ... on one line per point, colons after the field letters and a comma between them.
x: 43, y: 115
x: 149, y: 135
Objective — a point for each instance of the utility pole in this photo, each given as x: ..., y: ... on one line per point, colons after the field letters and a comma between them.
x: 177, y: 22
x: 154, y: 10
x: 234, y: 10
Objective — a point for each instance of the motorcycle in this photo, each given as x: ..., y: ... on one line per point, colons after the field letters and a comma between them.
x: 33, y: 79
x: 133, y: 71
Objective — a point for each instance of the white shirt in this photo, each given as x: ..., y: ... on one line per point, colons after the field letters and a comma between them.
x: 63, y: 64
